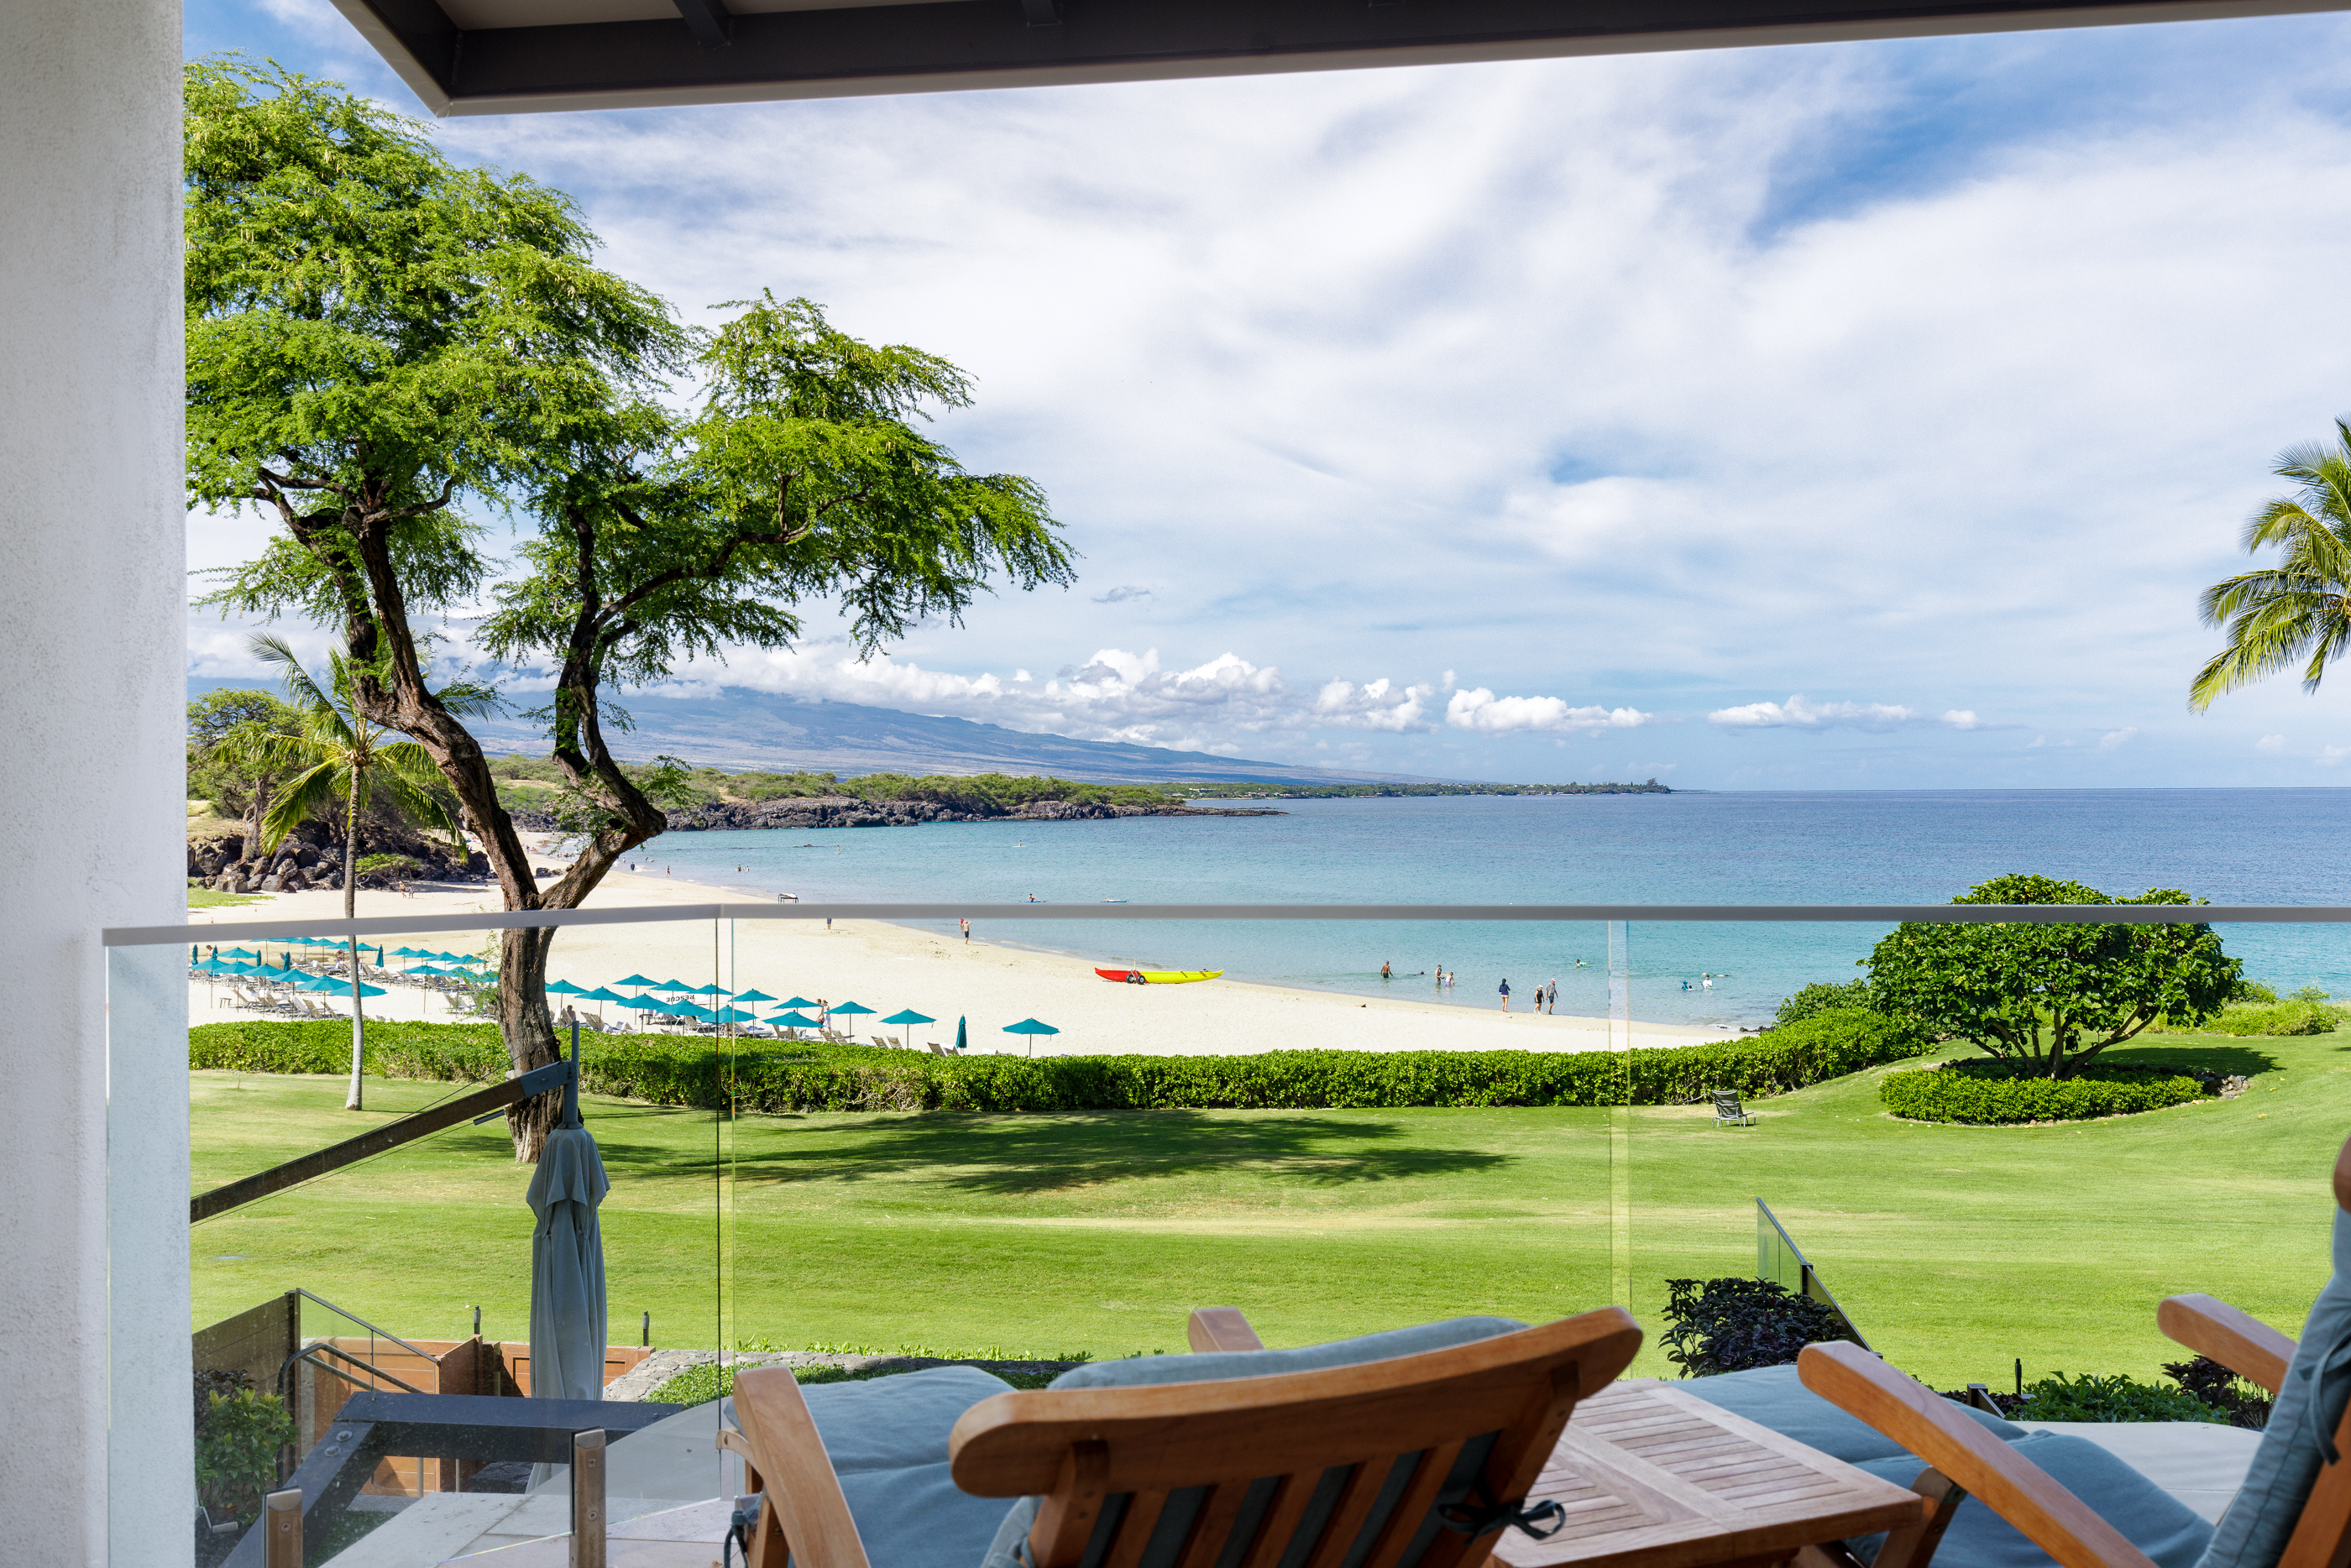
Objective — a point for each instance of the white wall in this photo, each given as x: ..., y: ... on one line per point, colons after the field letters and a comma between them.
x: 91, y: 560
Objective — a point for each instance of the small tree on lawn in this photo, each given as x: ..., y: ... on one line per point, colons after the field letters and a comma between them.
x: 2049, y: 998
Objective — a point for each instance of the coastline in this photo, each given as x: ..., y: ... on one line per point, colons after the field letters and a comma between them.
x: 989, y: 983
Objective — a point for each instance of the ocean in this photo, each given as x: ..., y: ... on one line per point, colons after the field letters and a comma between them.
x: 2244, y: 846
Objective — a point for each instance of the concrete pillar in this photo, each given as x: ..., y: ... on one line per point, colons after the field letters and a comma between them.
x: 91, y: 590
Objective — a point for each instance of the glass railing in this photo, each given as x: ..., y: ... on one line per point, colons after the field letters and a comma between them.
x: 833, y: 1133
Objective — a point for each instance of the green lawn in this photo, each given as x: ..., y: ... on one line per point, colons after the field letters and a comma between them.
x: 1955, y: 1249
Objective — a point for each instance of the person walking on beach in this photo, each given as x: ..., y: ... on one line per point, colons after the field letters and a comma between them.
x: 1551, y: 997
x: 967, y: 928
x: 1506, y: 995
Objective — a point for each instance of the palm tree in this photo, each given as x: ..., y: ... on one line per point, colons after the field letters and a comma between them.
x: 338, y: 758
x: 2299, y: 610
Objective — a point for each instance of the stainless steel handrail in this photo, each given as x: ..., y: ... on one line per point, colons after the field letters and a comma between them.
x: 1726, y: 914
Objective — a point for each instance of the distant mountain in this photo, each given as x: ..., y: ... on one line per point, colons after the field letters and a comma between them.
x: 745, y: 729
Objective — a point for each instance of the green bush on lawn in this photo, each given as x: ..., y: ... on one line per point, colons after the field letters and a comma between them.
x: 1988, y: 1093
x: 783, y: 1075
x: 2294, y: 1016
x: 2121, y: 1397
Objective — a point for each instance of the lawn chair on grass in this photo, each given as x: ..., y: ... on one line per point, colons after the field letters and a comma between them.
x: 1416, y: 1445
x: 1728, y: 1111
x: 2087, y: 1509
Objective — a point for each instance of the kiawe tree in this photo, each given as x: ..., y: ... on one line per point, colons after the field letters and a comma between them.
x: 377, y: 337
x: 2050, y: 998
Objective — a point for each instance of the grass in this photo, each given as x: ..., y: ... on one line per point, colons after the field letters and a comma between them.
x: 202, y: 898
x: 1955, y: 1248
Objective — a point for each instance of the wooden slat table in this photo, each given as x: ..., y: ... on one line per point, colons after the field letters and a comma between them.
x: 1653, y: 1477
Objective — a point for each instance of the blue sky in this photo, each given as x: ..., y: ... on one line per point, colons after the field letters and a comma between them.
x: 1825, y: 417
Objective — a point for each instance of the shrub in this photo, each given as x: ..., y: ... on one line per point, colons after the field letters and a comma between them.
x: 238, y: 1434
x: 1823, y: 997
x: 1733, y: 1325
x: 776, y: 1077
x: 1989, y: 1091
x: 2090, y: 1397
x: 2240, y: 1403
x: 2297, y: 1015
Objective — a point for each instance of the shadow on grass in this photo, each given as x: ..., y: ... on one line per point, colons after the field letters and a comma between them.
x: 1016, y: 1154
x: 2224, y: 1055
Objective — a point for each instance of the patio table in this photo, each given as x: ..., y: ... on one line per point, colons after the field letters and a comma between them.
x: 1652, y: 1477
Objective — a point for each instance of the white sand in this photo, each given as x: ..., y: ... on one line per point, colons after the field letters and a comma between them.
x: 889, y: 968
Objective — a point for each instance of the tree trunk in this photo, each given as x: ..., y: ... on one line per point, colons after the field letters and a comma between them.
x: 353, y: 1101
x: 529, y: 1031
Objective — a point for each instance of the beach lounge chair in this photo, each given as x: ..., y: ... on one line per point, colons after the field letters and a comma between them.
x: 2087, y: 1509
x: 1425, y: 1440
x: 1728, y: 1111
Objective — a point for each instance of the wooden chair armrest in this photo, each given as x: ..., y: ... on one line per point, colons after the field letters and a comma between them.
x: 1221, y: 1328
x: 805, y: 1507
x: 1949, y: 1440
x: 2243, y: 1343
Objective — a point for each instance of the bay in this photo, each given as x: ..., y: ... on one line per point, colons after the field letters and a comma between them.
x: 2250, y: 846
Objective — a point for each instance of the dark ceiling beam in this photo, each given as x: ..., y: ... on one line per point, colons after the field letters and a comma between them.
x: 709, y: 20
x: 958, y: 45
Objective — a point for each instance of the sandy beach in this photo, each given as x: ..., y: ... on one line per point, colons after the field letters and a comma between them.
x: 893, y: 967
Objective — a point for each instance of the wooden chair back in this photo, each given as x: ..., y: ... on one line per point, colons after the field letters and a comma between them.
x: 1083, y: 1451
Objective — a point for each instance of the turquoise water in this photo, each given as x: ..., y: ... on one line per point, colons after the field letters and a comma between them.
x: 2268, y: 847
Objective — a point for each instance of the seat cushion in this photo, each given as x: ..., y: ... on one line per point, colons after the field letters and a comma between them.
x: 887, y: 1439
x: 1008, y: 1549
x: 1773, y: 1397
x: 2151, y: 1519
x: 2300, y: 1436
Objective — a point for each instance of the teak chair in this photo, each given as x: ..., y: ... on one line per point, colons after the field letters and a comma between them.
x: 1965, y: 1459
x: 1275, y: 1443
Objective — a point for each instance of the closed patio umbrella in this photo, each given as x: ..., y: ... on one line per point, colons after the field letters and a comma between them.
x: 567, y: 1257
x: 959, y: 1033
x: 1031, y: 1028
x: 906, y: 1017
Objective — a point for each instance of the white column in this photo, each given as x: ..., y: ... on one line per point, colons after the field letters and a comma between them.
x: 91, y: 564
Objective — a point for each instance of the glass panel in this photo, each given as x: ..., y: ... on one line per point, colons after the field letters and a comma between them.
x: 402, y: 1267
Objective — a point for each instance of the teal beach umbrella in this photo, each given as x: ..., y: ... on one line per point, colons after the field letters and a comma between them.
x: 906, y: 1017
x: 744, y: 995
x: 601, y: 994
x: 565, y: 988
x: 796, y: 1002
x: 635, y: 980
x: 792, y: 1021
x: 1030, y: 1027
x: 711, y: 989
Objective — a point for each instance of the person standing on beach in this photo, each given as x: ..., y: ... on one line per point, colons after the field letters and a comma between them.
x: 1551, y: 997
x: 967, y: 928
x: 1506, y: 995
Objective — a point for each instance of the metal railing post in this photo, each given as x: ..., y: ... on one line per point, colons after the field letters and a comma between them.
x: 587, y: 1499
x: 281, y: 1521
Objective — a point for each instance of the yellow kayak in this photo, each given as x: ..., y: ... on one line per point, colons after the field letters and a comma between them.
x: 1157, y: 976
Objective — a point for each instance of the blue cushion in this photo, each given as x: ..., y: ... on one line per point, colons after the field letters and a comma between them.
x: 2301, y: 1431
x: 887, y: 1439
x: 2150, y: 1517
x: 1008, y: 1548
x: 1773, y: 1397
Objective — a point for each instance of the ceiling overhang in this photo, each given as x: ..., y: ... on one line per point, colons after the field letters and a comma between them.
x: 498, y: 57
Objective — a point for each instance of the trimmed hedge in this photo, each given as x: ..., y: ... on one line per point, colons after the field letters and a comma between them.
x: 768, y: 1075
x: 1992, y: 1094
x: 2289, y: 1017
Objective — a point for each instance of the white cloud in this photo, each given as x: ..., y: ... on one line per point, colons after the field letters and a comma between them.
x: 1799, y: 713
x: 2114, y: 738
x: 2332, y: 756
x: 2271, y: 745
x: 1482, y: 711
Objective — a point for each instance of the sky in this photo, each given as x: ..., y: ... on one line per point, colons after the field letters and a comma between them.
x: 1822, y: 417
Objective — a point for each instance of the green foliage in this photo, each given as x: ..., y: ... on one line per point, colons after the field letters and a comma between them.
x: 2297, y: 1016
x: 2120, y: 1397
x: 2052, y: 996
x: 237, y: 1438
x: 2299, y: 610
x: 774, y: 1076
x: 226, y: 731
x: 1735, y: 1324
x: 1823, y: 996
x: 700, y: 1385
x: 1988, y: 1093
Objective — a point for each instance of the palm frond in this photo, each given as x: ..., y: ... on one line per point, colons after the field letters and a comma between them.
x: 300, y: 689
x: 306, y: 795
